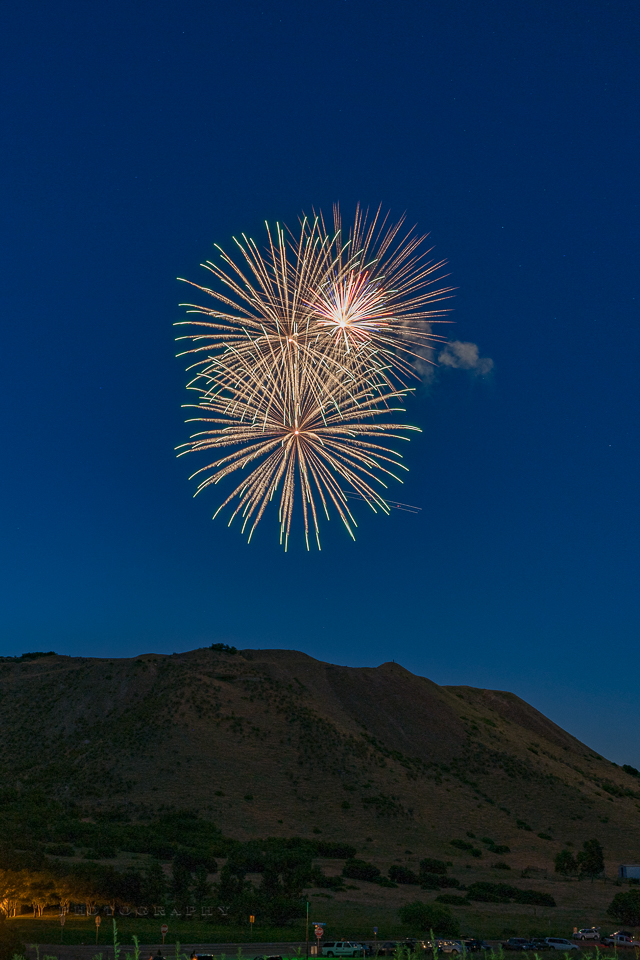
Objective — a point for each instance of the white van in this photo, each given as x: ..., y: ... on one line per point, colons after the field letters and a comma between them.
x: 342, y: 948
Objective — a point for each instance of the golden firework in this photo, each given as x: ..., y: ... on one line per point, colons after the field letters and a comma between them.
x: 301, y: 364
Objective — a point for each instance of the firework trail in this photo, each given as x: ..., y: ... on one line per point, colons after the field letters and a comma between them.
x: 300, y: 363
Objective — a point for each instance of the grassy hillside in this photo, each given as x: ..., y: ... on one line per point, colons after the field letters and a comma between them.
x: 276, y: 744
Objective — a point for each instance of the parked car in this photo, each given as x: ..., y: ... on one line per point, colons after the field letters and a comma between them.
x: 516, y: 943
x: 444, y: 946
x: 536, y: 944
x: 587, y: 933
x: 472, y: 945
x: 342, y: 948
x: 388, y: 948
x: 560, y: 943
x: 621, y: 938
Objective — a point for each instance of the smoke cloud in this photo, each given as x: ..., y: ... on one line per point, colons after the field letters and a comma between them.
x: 457, y: 355
x: 465, y: 356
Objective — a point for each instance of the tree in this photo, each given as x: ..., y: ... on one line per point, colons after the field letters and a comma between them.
x: 625, y: 908
x: 590, y: 859
x: 566, y: 863
x: 154, y: 885
x: 202, y: 887
x: 427, y: 916
x: 180, y: 887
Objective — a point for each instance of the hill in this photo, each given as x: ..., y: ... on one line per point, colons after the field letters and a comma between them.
x: 176, y: 755
x: 350, y: 752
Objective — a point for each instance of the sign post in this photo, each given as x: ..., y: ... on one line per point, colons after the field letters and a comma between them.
x: 252, y: 920
x: 98, y: 922
x: 307, y: 932
x: 62, y: 919
x: 164, y: 930
x: 319, y: 930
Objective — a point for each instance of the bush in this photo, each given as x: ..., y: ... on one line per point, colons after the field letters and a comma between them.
x: 461, y: 844
x: 565, y: 863
x: 337, y: 851
x: 319, y: 879
x: 485, y: 892
x: 451, y: 898
x: 632, y: 771
x: 625, y: 908
x: 402, y: 875
x: 192, y: 860
x: 60, y: 850
x: 427, y: 916
x: 430, y: 881
x: 432, y: 866
x: 360, y: 870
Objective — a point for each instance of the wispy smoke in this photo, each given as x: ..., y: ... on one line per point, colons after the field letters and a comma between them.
x: 465, y: 356
x: 457, y: 355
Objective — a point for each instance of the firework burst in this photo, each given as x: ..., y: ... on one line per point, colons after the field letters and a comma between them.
x: 302, y: 362
x: 285, y: 437
x: 378, y: 301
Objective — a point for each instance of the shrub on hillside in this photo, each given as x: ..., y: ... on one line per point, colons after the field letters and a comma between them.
x: 339, y: 851
x: 60, y: 850
x: 625, y: 908
x: 429, y: 916
x: 565, y: 863
x: 360, y: 870
x: 453, y: 899
x: 469, y: 847
x: 319, y: 879
x: 485, y: 892
x: 431, y: 881
x: 402, y: 875
x: 432, y: 866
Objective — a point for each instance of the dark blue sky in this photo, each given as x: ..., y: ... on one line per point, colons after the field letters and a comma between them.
x: 137, y: 134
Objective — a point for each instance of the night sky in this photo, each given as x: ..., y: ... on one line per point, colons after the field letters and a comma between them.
x: 135, y: 135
